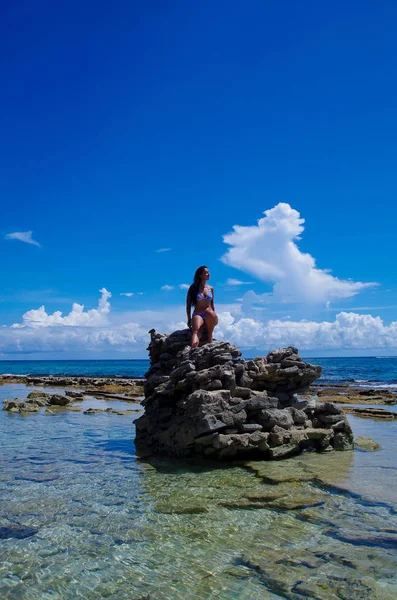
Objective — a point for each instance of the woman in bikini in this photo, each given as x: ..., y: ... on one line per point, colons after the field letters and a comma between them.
x: 201, y: 296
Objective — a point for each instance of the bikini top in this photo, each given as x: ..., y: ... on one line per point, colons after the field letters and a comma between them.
x: 201, y: 296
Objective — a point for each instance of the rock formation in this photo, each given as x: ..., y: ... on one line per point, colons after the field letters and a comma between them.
x: 209, y: 401
x: 68, y: 381
x: 36, y: 400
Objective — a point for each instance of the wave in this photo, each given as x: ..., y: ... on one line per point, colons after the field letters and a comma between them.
x: 359, y: 383
x: 381, y: 385
x: 375, y: 384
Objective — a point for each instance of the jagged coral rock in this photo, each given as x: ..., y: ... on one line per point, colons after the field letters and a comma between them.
x: 210, y: 401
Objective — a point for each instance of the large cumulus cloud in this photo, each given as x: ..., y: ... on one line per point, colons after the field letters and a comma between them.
x: 78, y: 317
x: 347, y: 331
x: 269, y: 252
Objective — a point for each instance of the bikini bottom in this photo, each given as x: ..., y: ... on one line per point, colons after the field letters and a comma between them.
x: 198, y: 314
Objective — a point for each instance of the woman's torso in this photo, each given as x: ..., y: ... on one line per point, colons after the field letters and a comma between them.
x: 203, y: 299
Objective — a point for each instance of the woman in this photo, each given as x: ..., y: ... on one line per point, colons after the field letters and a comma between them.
x: 201, y: 296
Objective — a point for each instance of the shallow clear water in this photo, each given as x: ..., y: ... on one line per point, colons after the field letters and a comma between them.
x: 102, y: 524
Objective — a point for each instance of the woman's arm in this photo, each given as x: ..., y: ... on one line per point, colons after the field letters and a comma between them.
x: 188, y: 308
x: 212, y: 301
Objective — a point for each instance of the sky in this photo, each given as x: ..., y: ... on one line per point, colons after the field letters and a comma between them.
x: 142, y: 140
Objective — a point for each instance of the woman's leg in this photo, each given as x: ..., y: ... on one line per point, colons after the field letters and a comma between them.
x: 211, y: 320
x: 197, y: 323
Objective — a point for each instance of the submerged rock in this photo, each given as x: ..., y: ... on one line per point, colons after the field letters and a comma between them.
x: 16, y: 531
x: 20, y: 406
x: 365, y: 443
x: 372, y: 413
x: 351, y: 395
x: 75, y: 395
x: 39, y: 395
x: 37, y: 400
x: 66, y: 381
x: 94, y: 411
x: 209, y: 401
x: 12, y: 405
x: 59, y: 400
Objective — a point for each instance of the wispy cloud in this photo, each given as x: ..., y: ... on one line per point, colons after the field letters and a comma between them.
x: 167, y: 288
x: 350, y: 308
x: 238, y: 282
x: 184, y: 286
x: 37, y: 296
x: 163, y: 249
x: 129, y: 294
x: 22, y: 236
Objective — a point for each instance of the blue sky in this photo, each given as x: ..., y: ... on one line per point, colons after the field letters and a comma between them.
x: 133, y: 127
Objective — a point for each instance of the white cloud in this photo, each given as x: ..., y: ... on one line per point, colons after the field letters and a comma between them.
x: 167, y: 288
x: 97, y: 330
x: 184, y: 286
x: 80, y: 330
x: 129, y: 294
x: 60, y: 338
x: 164, y: 250
x: 22, y: 236
x: 77, y: 317
x: 238, y: 282
x: 269, y: 252
x: 348, y: 331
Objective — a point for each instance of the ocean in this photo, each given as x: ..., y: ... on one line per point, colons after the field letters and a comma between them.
x: 81, y: 516
x: 83, y: 368
x: 365, y: 371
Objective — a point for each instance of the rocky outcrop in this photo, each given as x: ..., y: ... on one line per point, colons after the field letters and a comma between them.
x: 53, y: 403
x: 35, y: 401
x: 351, y: 395
x: 371, y: 413
x: 66, y: 381
x: 209, y: 401
x: 18, y: 405
x: 367, y: 444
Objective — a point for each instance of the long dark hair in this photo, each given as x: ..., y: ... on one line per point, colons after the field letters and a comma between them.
x: 195, y: 287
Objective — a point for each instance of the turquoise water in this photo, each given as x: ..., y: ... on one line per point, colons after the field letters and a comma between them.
x: 87, y: 368
x: 373, y: 371
x: 82, y: 517
x: 367, y: 370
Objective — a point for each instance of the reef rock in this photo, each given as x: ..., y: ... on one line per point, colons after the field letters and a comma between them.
x: 35, y: 401
x: 209, y: 401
